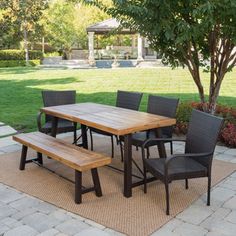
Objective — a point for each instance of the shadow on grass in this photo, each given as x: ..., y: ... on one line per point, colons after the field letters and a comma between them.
x: 24, y: 84
x: 109, y: 98
x: 20, y: 100
x: 18, y: 70
x: 25, y: 70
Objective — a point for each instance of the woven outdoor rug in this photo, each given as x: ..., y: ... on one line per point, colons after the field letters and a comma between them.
x: 140, y: 215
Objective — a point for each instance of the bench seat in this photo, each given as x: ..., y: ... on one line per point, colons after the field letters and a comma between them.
x: 77, y: 158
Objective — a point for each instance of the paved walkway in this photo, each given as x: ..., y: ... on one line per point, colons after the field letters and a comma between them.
x: 21, y: 214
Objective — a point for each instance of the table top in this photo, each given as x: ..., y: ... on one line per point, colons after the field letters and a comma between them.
x: 115, y: 120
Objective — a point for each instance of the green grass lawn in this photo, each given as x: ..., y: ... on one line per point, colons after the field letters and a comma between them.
x: 20, y: 88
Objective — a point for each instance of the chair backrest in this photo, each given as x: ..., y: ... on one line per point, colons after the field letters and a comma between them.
x: 129, y: 100
x: 203, y: 132
x: 56, y: 98
x: 163, y: 106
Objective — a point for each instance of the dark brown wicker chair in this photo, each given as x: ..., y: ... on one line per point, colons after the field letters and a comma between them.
x: 128, y: 100
x: 196, y: 162
x: 56, y: 98
x: 162, y: 106
x: 159, y: 106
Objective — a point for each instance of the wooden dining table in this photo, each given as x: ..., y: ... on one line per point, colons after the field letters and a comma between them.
x: 115, y: 120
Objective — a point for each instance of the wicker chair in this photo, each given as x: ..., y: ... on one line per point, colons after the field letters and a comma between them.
x: 56, y: 98
x: 157, y: 105
x: 162, y: 106
x: 196, y: 162
x: 128, y: 100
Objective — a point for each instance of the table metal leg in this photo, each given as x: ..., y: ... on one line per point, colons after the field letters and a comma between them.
x: 128, y: 165
x: 40, y: 158
x: 161, y: 145
x: 84, y: 136
x: 54, y: 126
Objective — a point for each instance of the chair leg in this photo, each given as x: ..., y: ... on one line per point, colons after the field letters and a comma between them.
x: 167, y: 198
x: 171, y: 148
x: 145, y: 178
x: 91, y: 139
x: 209, y: 192
x: 117, y: 140
x: 121, y: 152
x: 78, y: 187
x: 96, y: 182
x: 186, y: 183
x: 23, y: 157
x: 112, y: 147
x: 148, y: 153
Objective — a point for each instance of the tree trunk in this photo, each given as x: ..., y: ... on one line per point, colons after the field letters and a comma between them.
x: 26, y: 46
x: 43, y: 45
x: 196, y: 78
x: 215, y: 90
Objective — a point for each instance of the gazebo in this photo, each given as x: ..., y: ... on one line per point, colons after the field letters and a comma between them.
x: 106, y: 27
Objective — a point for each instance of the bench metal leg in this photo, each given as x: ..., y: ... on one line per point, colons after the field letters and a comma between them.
x: 78, y: 187
x: 23, y: 157
x: 40, y: 158
x: 96, y: 182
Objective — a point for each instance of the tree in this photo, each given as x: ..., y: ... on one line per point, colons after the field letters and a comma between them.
x: 67, y: 22
x: 24, y: 15
x: 193, y: 33
x: 59, y: 25
x: 9, y: 35
x: 86, y: 16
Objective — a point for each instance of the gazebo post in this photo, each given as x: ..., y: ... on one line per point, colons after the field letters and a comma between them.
x: 91, y: 48
x: 140, y: 48
x: 133, y: 43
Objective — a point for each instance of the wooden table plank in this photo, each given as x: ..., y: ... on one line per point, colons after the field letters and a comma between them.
x: 118, y: 121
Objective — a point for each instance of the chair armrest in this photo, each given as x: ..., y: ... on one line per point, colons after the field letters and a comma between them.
x: 155, y: 141
x: 172, y: 157
x: 39, y: 123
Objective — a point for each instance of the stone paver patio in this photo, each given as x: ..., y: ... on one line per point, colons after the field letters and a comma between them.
x: 21, y: 214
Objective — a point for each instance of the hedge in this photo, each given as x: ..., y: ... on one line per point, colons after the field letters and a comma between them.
x: 15, y: 63
x: 14, y: 54
x: 227, y: 134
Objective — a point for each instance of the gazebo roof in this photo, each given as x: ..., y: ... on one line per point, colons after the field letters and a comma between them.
x: 107, y: 26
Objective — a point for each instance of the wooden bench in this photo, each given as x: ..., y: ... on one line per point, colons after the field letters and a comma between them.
x: 70, y: 155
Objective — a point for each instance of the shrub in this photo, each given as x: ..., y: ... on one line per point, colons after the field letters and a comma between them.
x: 228, y: 135
x: 15, y: 63
x: 35, y: 55
x: 14, y: 54
x: 52, y: 54
x: 181, y: 128
x: 184, y: 112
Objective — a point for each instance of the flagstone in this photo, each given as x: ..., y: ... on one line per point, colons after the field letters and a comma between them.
x: 6, y: 131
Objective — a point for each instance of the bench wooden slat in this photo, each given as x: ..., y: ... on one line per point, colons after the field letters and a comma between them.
x: 75, y: 157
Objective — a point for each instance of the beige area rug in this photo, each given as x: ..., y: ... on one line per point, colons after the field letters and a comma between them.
x: 140, y: 215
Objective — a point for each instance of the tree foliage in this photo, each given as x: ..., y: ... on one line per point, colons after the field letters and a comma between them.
x: 21, y: 18
x: 192, y: 33
x: 66, y: 23
x: 59, y: 25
